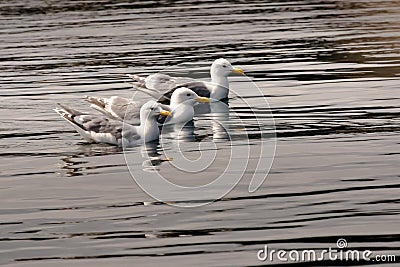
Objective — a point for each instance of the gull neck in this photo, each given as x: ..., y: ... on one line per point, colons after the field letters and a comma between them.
x: 148, y: 129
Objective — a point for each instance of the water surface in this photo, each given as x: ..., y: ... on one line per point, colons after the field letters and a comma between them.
x: 329, y: 70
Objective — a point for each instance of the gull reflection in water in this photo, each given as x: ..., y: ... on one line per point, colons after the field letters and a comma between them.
x: 219, y: 115
x: 179, y: 132
x: 76, y: 163
x: 79, y: 162
x: 153, y: 158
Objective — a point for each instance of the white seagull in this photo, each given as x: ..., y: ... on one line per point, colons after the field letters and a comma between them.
x: 161, y: 86
x: 103, y: 130
x: 123, y: 109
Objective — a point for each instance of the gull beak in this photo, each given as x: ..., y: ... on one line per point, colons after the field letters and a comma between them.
x: 238, y: 71
x: 165, y: 113
x: 202, y: 99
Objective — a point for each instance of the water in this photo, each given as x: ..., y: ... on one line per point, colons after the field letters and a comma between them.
x: 329, y: 69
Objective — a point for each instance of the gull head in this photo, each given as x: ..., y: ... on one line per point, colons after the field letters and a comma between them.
x: 223, y: 67
x: 151, y: 110
x: 184, y: 95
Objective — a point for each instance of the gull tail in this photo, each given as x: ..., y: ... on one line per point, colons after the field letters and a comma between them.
x: 63, y: 111
x: 137, y: 80
x: 69, y: 114
x: 96, y: 101
x: 98, y: 104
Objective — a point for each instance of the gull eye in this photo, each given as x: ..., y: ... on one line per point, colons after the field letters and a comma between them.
x: 188, y: 94
x: 151, y: 108
x: 224, y: 66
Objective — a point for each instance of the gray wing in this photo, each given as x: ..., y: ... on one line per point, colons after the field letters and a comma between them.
x: 115, y: 107
x: 129, y: 112
x: 200, y: 88
x: 98, y: 128
x: 104, y: 130
x: 163, y: 82
x: 99, y: 124
x: 90, y: 127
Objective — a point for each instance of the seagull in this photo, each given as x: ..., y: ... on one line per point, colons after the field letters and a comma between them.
x: 104, y: 130
x: 162, y: 86
x: 123, y: 109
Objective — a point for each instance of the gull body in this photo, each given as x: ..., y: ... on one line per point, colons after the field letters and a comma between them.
x: 104, y: 130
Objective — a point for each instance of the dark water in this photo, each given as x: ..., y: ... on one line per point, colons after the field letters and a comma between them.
x: 329, y: 69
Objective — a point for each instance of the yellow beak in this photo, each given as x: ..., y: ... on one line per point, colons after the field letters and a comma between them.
x: 238, y: 71
x: 165, y: 113
x: 202, y: 99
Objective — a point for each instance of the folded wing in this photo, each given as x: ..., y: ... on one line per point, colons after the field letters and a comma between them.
x: 115, y: 107
x: 97, y: 128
